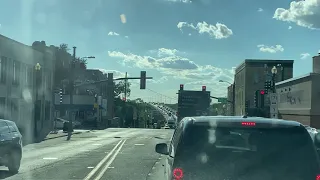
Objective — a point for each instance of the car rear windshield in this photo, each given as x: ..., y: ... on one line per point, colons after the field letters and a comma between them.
x: 250, y: 153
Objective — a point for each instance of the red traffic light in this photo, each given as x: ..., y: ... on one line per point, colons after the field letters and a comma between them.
x: 262, y: 92
x: 204, y: 88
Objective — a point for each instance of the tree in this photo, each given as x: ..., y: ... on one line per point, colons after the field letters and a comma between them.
x: 119, y: 88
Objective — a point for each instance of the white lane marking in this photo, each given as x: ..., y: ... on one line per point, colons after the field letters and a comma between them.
x: 97, y: 144
x: 89, y: 176
x: 111, y: 167
x: 109, y: 162
x: 90, y: 167
x: 49, y: 158
x: 139, y: 144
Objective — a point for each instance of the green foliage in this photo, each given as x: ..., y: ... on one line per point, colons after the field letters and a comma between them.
x: 119, y: 88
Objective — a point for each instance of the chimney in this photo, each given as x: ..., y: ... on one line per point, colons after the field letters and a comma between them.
x: 316, y: 64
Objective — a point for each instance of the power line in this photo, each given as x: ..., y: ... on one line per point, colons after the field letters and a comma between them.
x: 161, y: 94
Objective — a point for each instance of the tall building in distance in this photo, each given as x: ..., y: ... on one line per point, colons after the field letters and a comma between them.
x: 251, y: 76
x: 230, y: 95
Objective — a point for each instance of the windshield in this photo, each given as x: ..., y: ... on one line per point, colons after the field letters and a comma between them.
x: 249, y: 153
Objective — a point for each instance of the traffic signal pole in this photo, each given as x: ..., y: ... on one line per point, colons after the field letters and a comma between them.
x: 71, y: 87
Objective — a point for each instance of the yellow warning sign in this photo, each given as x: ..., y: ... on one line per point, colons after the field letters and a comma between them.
x: 95, y: 105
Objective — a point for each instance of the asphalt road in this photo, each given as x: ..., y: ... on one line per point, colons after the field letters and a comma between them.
x: 111, y: 154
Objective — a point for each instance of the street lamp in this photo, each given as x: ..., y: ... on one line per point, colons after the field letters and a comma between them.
x: 274, y: 72
x: 233, y: 95
x: 37, y: 108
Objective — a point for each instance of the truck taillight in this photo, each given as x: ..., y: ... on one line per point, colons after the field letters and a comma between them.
x: 177, y: 174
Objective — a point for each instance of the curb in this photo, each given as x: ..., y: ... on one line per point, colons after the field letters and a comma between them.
x: 64, y: 135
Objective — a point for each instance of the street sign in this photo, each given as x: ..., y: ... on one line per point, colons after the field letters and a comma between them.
x: 95, y: 105
x: 222, y: 100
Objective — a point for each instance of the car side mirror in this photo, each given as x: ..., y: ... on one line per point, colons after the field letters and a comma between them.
x: 162, y: 148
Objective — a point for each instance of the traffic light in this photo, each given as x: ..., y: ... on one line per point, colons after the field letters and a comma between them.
x: 61, y: 96
x: 262, y: 93
x: 204, y: 88
x: 181, y: 87
x: 143, y: 75
x: 124, y: 99
x: 256, y: 100
x: 247, y: 104
x: 267, y: 86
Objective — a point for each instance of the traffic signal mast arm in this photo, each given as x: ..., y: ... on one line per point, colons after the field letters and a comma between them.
x: 220, y: 98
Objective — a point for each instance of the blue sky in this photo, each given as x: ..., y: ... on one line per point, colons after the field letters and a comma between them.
x: 194, y: 42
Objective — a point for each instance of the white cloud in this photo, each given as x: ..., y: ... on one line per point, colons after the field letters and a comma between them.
x: 290, y: 27
x: 116, y: 73
x: 304, y: 13
x: 304, y: 55
x: 126, y: 36
x: 270, y: 49
x: 113, y: 34
x: 260, y: 10
x: 164, y: 52
x: 182, y: 1
x: 218, y: 31
x: 174, y: 66
x: 161, y: 80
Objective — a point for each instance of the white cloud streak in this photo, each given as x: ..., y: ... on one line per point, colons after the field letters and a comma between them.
x: 303, y: 13
x: 270, y: 49
x: 304, y: 55
x: 218, y: 31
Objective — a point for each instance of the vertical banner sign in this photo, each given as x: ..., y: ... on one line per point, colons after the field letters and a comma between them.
x: 273, y: 105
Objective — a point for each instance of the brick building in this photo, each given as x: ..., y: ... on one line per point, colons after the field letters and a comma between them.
x: 251, y: 76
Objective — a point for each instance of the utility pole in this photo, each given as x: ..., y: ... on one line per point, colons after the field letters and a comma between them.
x: 71, y: 87
x: 125, y: 99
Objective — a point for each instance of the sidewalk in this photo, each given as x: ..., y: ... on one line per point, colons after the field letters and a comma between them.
x: 60, y: 133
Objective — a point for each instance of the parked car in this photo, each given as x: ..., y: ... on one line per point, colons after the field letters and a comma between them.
x: 10, y: 145
x: 236, y: 148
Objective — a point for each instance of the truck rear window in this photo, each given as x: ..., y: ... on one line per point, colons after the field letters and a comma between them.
x: 250, y: 153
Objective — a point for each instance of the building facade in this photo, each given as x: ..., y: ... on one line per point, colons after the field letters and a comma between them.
x: 18, y: 90
x: 299, y: 98
x: 251, y: 76
x: 230, y: 105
